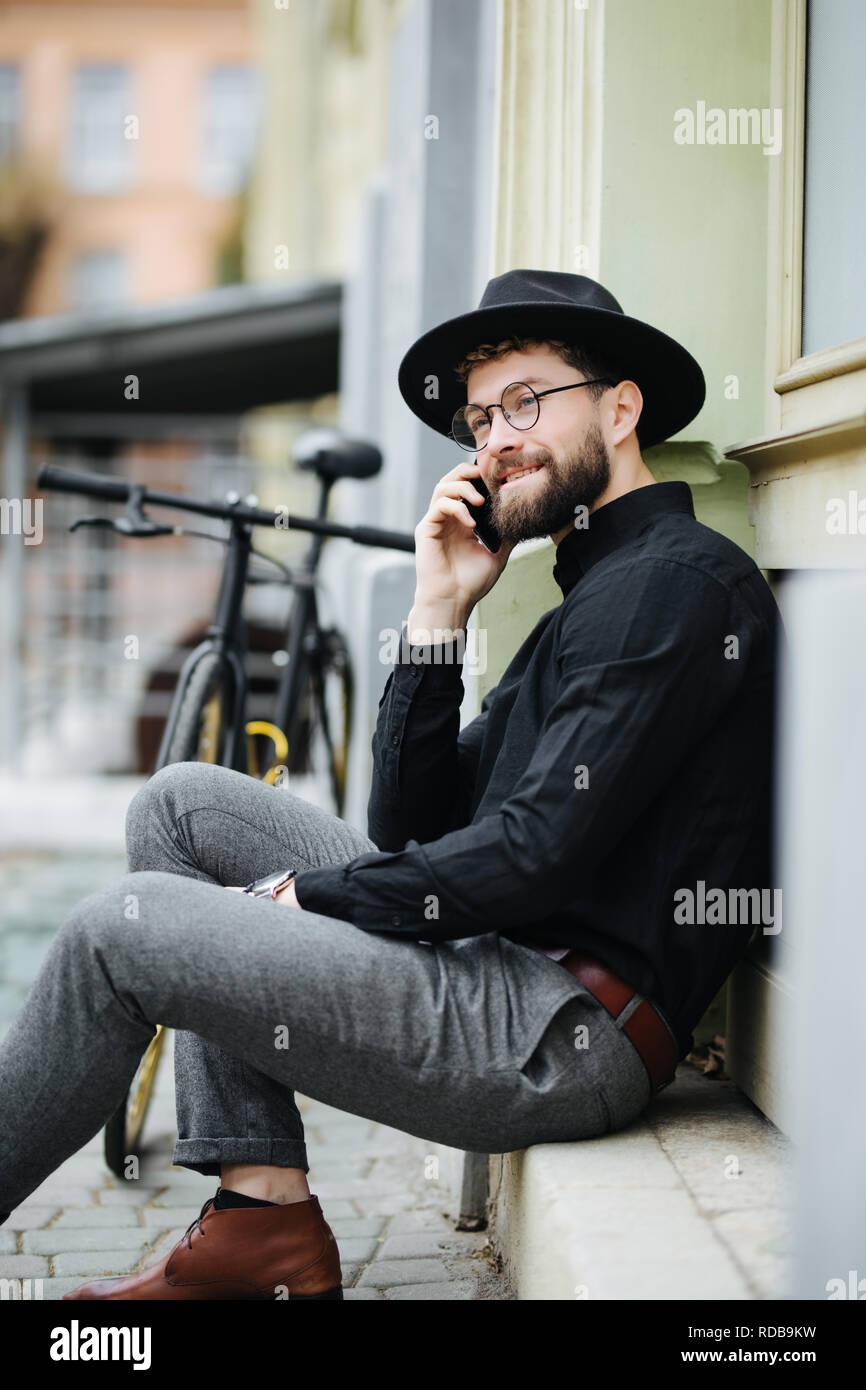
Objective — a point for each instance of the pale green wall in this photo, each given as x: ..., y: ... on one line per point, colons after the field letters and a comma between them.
x: 684, y: 227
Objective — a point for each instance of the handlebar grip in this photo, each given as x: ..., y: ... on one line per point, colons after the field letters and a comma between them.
x: 55, y: 479
x: 392, y: 540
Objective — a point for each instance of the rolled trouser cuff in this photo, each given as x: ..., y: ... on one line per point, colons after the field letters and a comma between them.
x: 207, y: 1156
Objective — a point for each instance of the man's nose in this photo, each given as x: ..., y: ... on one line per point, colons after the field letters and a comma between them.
x: 503, y: 439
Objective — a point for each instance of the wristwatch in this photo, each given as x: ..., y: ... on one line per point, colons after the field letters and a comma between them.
x: 269, y: 887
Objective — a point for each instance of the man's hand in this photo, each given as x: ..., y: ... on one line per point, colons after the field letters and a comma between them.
x: 286, y: 895
x: 453, y: 570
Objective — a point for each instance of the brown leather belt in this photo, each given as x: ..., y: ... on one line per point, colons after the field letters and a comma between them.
x: 644, y: 1027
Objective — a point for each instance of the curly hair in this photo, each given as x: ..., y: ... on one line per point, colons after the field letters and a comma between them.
x: 588, y: 363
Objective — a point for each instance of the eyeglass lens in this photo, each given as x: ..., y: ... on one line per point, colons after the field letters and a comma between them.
x: 471, y: 424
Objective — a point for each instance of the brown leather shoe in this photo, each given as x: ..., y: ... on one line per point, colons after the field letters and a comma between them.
x: 264, y: 1253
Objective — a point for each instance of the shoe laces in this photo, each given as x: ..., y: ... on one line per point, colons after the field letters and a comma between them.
x: 197, y: 1223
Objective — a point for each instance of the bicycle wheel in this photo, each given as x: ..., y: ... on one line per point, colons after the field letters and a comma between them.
x: 201, y: 729
x: 123, y: 1131
x: 319, y: 725
x: 331, y: 695
x: 199, y: 736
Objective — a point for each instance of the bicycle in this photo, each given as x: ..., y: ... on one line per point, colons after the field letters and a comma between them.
x: 206, y: 720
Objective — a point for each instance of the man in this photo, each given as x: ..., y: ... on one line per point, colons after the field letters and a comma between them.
x: 505, y: 960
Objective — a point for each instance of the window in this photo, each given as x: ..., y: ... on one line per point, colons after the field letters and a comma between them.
x: 10, y: 111
x: 99, y: 157
x: 98, y: 278
x: 230, y: 118
x: 834, y: 266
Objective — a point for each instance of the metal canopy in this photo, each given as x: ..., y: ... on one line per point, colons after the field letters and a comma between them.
x: 219, y: 353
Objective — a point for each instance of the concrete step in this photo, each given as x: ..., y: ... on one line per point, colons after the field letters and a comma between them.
x: 691, y: 1201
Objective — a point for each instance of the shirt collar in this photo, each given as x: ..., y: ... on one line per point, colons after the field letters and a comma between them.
x: 612, y: 525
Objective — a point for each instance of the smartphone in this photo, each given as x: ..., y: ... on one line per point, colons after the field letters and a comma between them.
x: 483, y: 512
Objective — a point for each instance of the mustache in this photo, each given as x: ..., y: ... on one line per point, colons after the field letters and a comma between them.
x: 541, y: 456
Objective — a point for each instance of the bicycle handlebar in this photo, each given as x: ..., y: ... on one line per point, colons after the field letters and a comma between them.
x: 55, y: 479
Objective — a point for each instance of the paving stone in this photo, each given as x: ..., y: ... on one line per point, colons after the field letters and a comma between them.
x: 161, y: 1246
x: 335, y: 1172
x: 166, y: 1216
x: 387, y: 1274
x: 63, y: 1195
x: 8, y: 1242
x: 347, y: 1189
x: 454, y: 1289
x: 126, y: 1196
x: 336, y: 1208
x: 96, y: 1262
x: 27, y: 1218
x: 176, y: 1178
x: 358, y: 1251
x: 408, y: 1222
x: 345, y: 1228
x: 185, y: 1197
x: 22, y: 1266
x: 113, y: 1217
x: 386, y: 1204
x: 417, y: 1246
x: 362, y: 1293
x: 52, y: 1241
x: 54, y: 1289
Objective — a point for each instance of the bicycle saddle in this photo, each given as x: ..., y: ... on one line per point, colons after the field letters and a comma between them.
x: 331, y: 454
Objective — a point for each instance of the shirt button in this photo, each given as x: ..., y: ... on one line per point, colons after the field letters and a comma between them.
x: 396, y: 920
x: 395, y: 739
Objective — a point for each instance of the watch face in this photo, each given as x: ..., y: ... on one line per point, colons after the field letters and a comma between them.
x: 267, y: 885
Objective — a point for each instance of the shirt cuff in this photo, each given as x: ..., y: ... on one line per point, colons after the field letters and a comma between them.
x: 324, y: 890
x: 436, y: 665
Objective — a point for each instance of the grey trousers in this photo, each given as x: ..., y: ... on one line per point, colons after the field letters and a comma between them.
x: 480, y: 1043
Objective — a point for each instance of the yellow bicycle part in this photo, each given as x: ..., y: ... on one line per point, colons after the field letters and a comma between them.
x: 208, y: 742
x: 278, y: 739
x: 143, y: 1087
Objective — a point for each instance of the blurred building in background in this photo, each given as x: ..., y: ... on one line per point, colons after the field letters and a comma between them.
x: 127, y: 133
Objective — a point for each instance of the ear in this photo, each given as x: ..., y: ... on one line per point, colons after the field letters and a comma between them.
x: 625, y: 404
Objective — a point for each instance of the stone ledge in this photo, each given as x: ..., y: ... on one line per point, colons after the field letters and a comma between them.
x: 690, y: 1201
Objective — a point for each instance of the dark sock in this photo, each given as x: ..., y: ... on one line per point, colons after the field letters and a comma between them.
x: 226, y: 1198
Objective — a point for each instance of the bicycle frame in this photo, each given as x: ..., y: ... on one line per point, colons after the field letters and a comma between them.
x: 225, y: 636
x: 303, y: 619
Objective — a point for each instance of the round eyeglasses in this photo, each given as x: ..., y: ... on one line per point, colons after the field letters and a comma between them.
x: 521, y: 406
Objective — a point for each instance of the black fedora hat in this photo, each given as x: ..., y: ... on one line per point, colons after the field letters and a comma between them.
x: 546, y: 304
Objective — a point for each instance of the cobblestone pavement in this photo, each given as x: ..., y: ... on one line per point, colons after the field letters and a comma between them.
x: 378, y: 1188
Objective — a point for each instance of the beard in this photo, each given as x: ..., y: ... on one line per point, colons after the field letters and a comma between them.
x: 576, y: 480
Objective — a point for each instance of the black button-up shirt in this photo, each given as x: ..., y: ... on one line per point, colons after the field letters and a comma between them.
x: 624, y: 757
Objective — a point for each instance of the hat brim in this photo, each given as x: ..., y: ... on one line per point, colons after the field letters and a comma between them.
x: 670, y: 379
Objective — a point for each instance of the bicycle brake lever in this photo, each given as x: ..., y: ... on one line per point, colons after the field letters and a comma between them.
x: 135, y: 523
x: 145, y: 527
x: 90, y: 521
x: 124, y: 525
